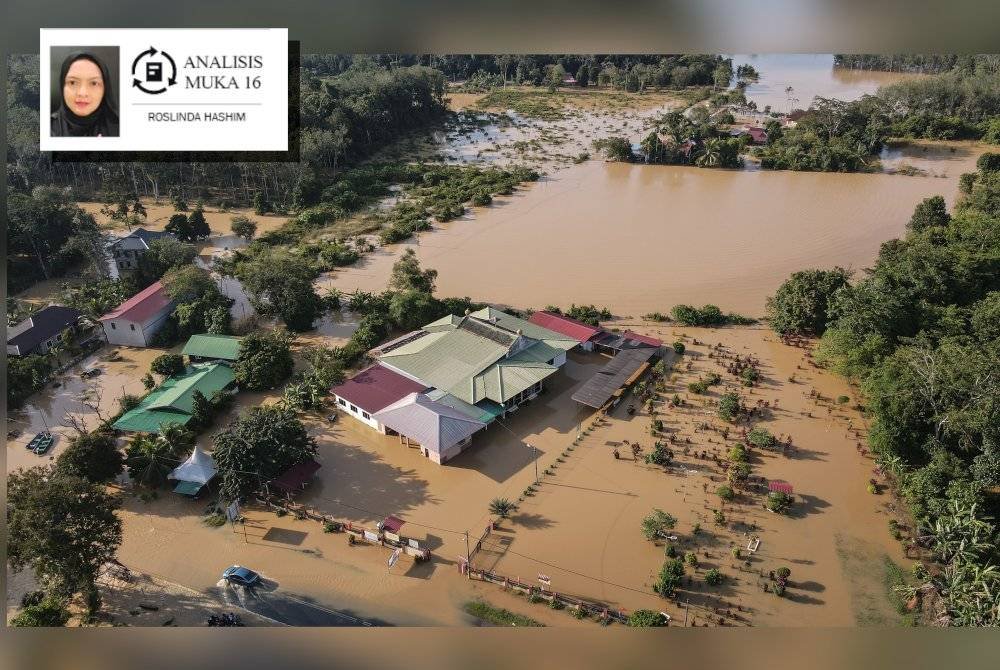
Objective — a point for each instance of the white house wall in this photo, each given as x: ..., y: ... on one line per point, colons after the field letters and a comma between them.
x: 131, y: 334
x: 345, y: 406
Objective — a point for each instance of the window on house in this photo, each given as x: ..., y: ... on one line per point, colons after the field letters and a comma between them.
x: 132, y: 326
x: 354, y: 409
x: 366, y: 415
x: 341, y: 401
x: 113, y: 326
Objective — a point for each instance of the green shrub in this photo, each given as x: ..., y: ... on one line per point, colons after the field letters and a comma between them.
x: 713, y: 577
x: 646, y: 619
x: 49, y: 613
x: 499, y: 615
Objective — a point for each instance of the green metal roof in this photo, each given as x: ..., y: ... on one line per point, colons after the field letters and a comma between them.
x: 475, y: 360
x: 224, y: 347
x: 172, y: 401
x: 472, y: 411
x: 534, y: 331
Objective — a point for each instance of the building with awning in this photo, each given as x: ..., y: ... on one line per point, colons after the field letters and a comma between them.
x: 173, y: 401
x: 611, y: 381
x: 439, y: 384
x: 193, y: 474
x: 440, y: 431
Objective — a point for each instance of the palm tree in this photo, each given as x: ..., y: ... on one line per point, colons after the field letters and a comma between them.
x: 710, y: 154
x: 501, y: 507
x: 149, y: 460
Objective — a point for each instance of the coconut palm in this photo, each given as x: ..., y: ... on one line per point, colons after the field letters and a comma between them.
x: 149, y: 460
x: 710, y: 154
x: 501, y: 507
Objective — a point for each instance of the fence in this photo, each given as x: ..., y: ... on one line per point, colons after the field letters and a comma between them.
x: 410, y: 546
x: 597, y: 610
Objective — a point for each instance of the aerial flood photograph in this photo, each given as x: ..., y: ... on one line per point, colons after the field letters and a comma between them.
x: 530, y: 340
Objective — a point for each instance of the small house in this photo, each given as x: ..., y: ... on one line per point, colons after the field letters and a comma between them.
x: 134, y: 322
x: 172, y: 403
x: 42, y: 330
x: 125, y: 252
x: 208, y: 348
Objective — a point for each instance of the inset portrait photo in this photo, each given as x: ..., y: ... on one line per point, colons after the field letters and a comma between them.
x: 84, y: 80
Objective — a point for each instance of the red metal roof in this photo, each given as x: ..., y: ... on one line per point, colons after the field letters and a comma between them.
x: 392, y: 524
x: 778, y: 485
x: 296, y: 477
x: 645, y: 339
x: 758, y: 134
x: 376, y: 387
x: 579, y: 331
x: 141, y: 306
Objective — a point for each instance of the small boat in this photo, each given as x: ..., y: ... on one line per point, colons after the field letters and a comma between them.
x: 36, y: 440
x: 45, y: 444
x: 41, y: 443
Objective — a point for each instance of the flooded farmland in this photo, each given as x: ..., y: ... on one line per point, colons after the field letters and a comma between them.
x: 641, y: 238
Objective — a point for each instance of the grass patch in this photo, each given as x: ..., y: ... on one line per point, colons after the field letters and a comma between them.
x: 214, y: 520
x: 868, y: 580
x: 498, y: 615
x: 894, y: 578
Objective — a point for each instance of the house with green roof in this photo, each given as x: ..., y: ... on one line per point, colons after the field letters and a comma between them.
x: 173, y: 401
x: 488, y: 358
x: 436, y: 386
x: 208, y: 347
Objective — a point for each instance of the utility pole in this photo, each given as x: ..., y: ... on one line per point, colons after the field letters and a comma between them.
x: 535, y: 459
x: 686, y: 606
x: 468, y: 557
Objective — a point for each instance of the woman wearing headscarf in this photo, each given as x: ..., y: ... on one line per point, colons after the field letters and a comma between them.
x: 87, y: 106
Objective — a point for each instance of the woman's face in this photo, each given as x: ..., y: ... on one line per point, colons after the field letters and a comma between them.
x: 83, y: 89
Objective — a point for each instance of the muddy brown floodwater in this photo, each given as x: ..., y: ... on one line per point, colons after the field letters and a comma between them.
x: 641, y: 238
x: 809, y: 75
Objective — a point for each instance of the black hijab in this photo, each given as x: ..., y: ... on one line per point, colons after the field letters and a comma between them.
x: 103, y: 121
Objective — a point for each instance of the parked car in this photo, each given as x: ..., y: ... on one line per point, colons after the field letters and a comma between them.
x: 93, y: 372
x: 332, y: 418
x: 237, y: 574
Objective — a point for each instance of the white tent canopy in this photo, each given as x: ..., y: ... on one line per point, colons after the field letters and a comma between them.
x: 198, y: 468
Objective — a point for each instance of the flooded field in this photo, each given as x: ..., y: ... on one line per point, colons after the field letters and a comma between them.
x: 641, y: 238
x: 808, y: 75
x: 158, y: 215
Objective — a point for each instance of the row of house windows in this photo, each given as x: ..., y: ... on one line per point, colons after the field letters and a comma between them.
x: 113, y: 327
x: 343, y: 403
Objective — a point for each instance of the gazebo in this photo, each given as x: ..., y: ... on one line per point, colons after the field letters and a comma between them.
x: 193, y: 474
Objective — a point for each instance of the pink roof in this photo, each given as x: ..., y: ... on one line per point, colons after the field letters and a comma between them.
x: 646, y: 339
x: 376, y: 387
x: 778, y: 485
x: 579, y: 331
x: 142, y: 305
x: 758, y: 134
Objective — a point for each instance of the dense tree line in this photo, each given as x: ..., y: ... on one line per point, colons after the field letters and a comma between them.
x: 922, y: 63
x: 920, y: 333
x: 620, y: 71
x: 343, y: 119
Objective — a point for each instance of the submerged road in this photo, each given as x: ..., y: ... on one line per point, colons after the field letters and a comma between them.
x: 286, y: 609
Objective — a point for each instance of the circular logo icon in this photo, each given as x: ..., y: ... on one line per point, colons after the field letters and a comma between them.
x: 153, y: 71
